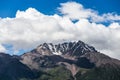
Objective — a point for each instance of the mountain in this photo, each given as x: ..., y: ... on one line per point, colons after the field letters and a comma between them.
x: 63, y: 61
x: 77, y: 57
x: 12, y: 69
x: 50, y: 53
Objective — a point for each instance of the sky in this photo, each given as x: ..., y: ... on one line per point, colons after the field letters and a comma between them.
x: 24, y: 24
x: 8, y: 8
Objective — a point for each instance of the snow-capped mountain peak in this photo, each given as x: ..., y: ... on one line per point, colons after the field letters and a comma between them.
x: 66, y: 48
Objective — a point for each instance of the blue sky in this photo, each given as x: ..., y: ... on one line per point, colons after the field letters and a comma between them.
x: 8, y: 8
x: 24, y: 24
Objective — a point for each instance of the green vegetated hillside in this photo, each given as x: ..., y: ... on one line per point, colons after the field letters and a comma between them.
x: 106, y: 72
x: 98, y: 73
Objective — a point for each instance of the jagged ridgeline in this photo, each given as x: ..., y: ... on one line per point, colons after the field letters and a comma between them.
x: 63, y: 61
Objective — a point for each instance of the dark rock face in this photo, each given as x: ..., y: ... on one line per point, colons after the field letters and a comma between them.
x: 84, y: 63
x: 76, y: 59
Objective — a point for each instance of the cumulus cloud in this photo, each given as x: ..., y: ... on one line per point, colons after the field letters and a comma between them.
x: 75, y: 10
x: 30, y: 28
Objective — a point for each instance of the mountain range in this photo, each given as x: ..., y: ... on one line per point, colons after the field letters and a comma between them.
x: 63, y: 61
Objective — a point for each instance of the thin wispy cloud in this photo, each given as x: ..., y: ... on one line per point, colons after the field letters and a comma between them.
x: 30, y: 28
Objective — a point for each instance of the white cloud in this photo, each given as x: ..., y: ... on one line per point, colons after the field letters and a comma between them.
x: 2, y: 49
x: 75, y: 10
x: 30, y: 28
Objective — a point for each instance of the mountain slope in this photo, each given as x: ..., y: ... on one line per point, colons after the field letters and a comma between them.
x: 12, y: 69
x: 104, y: 72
